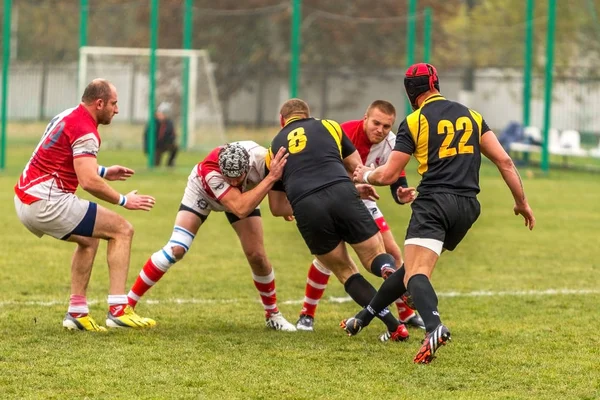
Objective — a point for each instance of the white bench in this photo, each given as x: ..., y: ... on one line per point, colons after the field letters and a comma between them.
x: 525, y: 147
x: 566, y: 144
x: 595, y: 152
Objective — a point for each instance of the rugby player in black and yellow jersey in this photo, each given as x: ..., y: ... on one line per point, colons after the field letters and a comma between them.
x: 447, y: 139
x: 318, y: 192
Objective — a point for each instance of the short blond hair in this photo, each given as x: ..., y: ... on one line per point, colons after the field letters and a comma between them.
x: 384, y: 106
x: 294, y: 107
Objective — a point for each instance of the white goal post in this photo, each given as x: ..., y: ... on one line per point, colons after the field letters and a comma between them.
x: 202, y: 96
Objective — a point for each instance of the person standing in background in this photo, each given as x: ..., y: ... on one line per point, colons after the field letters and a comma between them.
x: 166, y: 137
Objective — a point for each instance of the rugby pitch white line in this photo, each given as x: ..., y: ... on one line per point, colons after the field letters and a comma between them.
x: 483, y: 293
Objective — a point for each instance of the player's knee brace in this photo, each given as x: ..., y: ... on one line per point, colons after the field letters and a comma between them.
x: 179, y: 244
x: 383, y: 260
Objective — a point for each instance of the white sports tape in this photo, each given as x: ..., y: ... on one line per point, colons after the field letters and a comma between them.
x: 432, y: 244
x: 164, y: 258
x: 181, y: 237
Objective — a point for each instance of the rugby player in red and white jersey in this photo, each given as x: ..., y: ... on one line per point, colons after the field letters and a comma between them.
x: 46, y: 204
x: 234, y: 179
x: 374, y: 141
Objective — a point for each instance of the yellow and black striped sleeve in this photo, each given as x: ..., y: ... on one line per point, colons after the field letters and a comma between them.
x: 344, y: 144
x: 268, y: 157
x: 480, y: 122
x: 347, y: 146
x: 405, y: 142
x: 484, y: 127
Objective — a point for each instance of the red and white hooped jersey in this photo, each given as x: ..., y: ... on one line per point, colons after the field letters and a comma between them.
x: 376, y: 154
x: 213, y: 183
x: 50, y: 173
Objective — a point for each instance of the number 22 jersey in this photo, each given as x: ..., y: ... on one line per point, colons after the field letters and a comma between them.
x: 444, y: 136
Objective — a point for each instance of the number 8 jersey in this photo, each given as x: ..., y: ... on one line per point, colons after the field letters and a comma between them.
x: 447, y: 148
x: 316, y: 148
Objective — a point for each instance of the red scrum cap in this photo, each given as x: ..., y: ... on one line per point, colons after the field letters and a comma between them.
x: 420, y: 78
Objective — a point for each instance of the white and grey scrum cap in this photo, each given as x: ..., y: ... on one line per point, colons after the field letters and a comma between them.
x: 234, y: 161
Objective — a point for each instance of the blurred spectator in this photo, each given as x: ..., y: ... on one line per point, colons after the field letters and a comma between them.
x: 513, y: 132
x: 166, y: 138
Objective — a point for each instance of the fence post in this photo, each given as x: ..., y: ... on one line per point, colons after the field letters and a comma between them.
x: 5, y: 68
x: 84, y: 10
x: 411, y: 28
x: 152, y: 74
x: 527, y: 68
x: 187, y: 44
x: 548, y: 95
x: 43, y: 94
x: 295, y: 47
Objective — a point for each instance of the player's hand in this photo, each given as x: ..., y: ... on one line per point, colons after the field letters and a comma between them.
x: 278, y: 163
x: 288, y: 218
x: 139, y: 201
x: 118, y: 173
x: 406, y: 195
x: 527, y: 213
x: 359, y: 173
x: 367, y: 192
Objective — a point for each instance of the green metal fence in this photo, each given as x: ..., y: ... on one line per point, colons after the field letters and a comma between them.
x: 336, y: 54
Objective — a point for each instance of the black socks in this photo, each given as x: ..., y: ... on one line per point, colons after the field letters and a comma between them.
x: 392, y: 288
x: 362, y: 292
x: 425, y: 300
x: 381, y: 261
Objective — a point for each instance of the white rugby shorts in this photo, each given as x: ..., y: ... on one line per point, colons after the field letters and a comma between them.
x: 56, y: 218
x: 373, y: 209
x: 196, y: 198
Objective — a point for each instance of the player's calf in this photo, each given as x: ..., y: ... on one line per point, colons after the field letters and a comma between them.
x: 160, y: 262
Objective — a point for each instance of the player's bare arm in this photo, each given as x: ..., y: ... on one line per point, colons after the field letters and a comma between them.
x: 86, y: 169
x: 279, y: 204
x: 406, y: 194
x: 493, y: 150
x: 385, y: 174
x: 277, y: 164
x: 367, y: 192
x: 352, y: 161
x: 242, y: 204
x: 118, y: 173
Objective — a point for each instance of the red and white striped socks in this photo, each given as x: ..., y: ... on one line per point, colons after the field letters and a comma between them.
x: 404, y: 312
x: 147, y: 278
x: 266, y: 289
x: 117, y: 304
x: 78, y: 306
x: 316, y: 282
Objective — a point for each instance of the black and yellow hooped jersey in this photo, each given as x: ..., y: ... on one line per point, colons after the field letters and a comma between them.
x: 316, y: 148
x: 444, y: 136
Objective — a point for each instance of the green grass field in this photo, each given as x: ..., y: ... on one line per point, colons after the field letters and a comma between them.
x: 522, y: 306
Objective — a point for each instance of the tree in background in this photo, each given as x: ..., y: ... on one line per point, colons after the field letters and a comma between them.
x: 249, y: 41
x: 497, y: 31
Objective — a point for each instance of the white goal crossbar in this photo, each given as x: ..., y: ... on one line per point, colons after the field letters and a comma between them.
x: 195, y: 57
x: 140, y: 51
